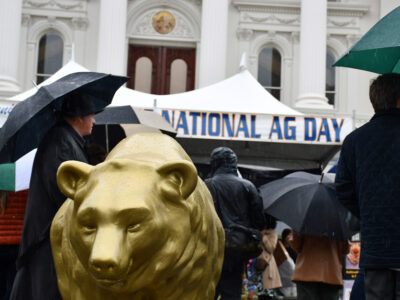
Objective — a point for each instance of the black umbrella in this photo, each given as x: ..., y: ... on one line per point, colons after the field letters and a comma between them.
x: 128, y: 115
x: 32, y: 118
x: 131, y: 120
x: 309, y: 205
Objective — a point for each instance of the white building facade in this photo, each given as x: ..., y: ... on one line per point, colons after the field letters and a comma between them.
x: 169, y: 46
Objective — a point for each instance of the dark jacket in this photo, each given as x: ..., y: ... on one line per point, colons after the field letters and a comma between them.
x: 367, y: 183
x: 236, y: 200
x: 60, y: 144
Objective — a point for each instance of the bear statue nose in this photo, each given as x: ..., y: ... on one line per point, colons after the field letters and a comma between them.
x: 104, y: 267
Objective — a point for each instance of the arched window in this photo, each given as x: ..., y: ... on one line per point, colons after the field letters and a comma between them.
x: 269, y: 71
x: 178, y: 76
x: 330, y: 86
x: 143, y: 67
x: 50, y: 56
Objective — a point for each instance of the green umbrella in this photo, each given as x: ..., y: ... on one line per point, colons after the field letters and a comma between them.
x: 379, y: 49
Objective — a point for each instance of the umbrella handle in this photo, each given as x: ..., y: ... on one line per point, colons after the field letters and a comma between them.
x: 321, y: 178
x: 107, y: 143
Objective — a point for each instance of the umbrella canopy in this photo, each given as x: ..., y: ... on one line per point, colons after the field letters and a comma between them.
x: 379, y: 49
x: 30, y: 119
x: 16, y: 176
x: 309, y: 205
x: 128, y: 117
x: 115, y: 123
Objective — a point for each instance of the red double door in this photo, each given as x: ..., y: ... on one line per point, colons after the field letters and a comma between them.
x: 160, y: 70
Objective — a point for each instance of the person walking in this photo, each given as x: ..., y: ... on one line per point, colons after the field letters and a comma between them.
x: 318, y: 269
x: 237, y: 202
x: 271, y: 280
x: 367, y: 183
x: 36, y: 276
x: 285, y: 240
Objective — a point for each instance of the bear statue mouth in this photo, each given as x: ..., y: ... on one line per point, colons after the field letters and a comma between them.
x: 114, y: 280
x: 108, y: 282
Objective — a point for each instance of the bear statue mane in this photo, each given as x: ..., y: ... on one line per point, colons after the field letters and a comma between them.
x: 141, y: 225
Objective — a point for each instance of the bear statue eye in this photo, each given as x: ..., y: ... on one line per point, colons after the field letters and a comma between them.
x: 89, y: 228
x: 133, y: 228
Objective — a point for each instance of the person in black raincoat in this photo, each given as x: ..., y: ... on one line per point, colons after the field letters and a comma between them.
x: 36, y: 277
x: 236, y: 201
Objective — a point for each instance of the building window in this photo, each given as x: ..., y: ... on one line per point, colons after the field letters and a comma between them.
x: 330, y: 87
x: 50, y: 56
x: 269, y: 71
x: 143, y: 82
x: 178, y: 76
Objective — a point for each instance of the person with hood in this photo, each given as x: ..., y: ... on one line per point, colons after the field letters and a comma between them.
x: 236, y: 201
x: 36, y: 276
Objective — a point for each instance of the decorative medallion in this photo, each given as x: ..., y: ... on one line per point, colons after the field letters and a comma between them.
x: 163, y: 22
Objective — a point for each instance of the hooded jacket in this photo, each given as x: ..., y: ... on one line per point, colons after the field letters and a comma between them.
x: 236, y: 199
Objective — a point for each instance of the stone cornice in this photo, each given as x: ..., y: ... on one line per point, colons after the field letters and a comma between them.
x: 293, y: 7
x: 288, y: 7
x: 69, y: 5
x: 347, y: 9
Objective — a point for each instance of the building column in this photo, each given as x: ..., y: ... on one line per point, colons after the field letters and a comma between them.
x: 112, y: 35
x: 213, y: 43
x: 10, y: 27
x: 312, y: 55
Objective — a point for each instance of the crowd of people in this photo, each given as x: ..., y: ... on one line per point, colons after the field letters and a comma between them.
x: 366, y: 184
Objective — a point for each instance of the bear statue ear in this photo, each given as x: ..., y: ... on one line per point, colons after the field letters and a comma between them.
x: 70, y: 174
x: 179, y: 179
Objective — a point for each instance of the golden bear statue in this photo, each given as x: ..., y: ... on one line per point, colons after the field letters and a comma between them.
x: 140, y: 225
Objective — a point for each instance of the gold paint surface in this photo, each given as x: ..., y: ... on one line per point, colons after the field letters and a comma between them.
x: 141, y: 225
x: 163, y: 22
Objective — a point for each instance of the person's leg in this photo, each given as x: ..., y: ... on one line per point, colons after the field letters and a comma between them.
x: 307, y: 291
x: 358, y: 290
x: 3, y: 276
x: 8, y: 256
x: 230, y: 283
x: 21, y: 288
x: 217, y: 293
x: 328, y: 291
x: 43, y: 274
x: 230, y: 286
x: 379, y: 284
x: 397, y: 285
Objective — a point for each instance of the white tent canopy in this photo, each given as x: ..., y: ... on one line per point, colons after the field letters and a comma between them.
x: 239, y: 93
